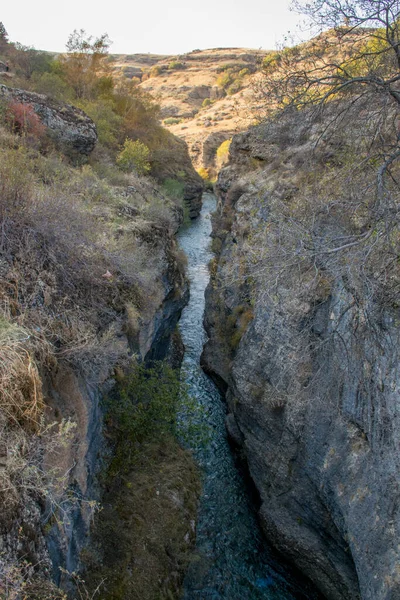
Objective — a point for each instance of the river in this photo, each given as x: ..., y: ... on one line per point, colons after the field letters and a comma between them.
x: 232, y: 560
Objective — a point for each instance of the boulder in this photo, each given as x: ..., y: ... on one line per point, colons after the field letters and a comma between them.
x: 73, y: 132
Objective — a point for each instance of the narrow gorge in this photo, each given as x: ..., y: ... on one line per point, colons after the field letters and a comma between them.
x: 232, y: 559
x: 199, y: 318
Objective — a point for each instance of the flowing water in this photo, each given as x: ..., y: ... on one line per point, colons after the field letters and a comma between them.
x: 232, y: 561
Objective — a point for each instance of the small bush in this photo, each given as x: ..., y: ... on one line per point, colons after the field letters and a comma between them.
x: 173, y: 188
x: 23, y: 120
x: 216, y: 246
x: 175, y: 65
x: 172, y: 121
x: 134, y: 157
x: 21, y: 396
x: 223, y: 153
x: 237, y: 323
x: 146, y: 406
x: 52, y: 85
x: 156, y: 70
x: 204, y: 174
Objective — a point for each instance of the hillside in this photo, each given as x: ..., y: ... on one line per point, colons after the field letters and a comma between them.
x: 205, y: 95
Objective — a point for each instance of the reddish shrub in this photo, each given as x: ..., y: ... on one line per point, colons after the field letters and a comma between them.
x: 23, y: 119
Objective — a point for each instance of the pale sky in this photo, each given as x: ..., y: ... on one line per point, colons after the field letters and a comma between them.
x: 156, y: 26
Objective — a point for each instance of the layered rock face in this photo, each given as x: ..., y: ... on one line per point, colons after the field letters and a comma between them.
x: 310, y: 367
x: 71, y: 129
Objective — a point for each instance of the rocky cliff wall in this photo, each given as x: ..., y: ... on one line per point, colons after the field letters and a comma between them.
x: 308, y: 357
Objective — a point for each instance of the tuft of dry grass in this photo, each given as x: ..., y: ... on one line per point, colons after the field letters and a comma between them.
x: 21, y: 397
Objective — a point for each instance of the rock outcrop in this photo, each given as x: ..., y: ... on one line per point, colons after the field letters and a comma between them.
x: 73, y: 132
x: 311, y: 373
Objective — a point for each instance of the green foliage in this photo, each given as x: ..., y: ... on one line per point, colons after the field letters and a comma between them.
x: 51, y: 84
x: 172, y: 121
x: 237, y: 324
x: 134, y: 157
x: 224, y: 79
x: 152, y: 403
x: 108, y: 123
x: 173, y: 188
x: 84, y: 60
x: 156, y: 70
x: 120, y: 109
x: 205, y: 175
x: 27, y: 60
x: 175, y: 65
x: 80, y: 42
x: 374, y: 57
x: 144, y: 534
x: 206, y: 102
x: 271, y: 61
x: 216, y: 246
x: 3, y: 34
x: 147, y: 404
x: 232, y: 77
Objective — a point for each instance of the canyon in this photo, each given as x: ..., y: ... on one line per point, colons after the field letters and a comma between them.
x: 293, y: 423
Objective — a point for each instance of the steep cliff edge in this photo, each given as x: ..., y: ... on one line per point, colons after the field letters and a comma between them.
x: 304, y: 340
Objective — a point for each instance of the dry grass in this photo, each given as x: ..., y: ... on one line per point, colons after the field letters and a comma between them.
x: 21, y: 397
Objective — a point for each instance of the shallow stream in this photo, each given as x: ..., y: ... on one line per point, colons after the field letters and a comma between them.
x: 233, y: 561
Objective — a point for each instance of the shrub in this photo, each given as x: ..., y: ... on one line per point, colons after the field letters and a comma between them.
x: 172, y: 121
x: 20, y: 385
x: 23, y: 120
x: 108, y: 123
x: 134, y: 157
x: 206, y: 102
x: 204, y: 174
x: 237, y: 324
x: 176, y: 65
x: 16, y: 182
x: 145, y: 408
x: 173, y: 188
x: 222, y: 154
x: 156, y: 71
x: 52, y: 85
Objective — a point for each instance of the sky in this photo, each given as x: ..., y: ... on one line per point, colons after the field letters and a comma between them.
x: 156, y: 26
